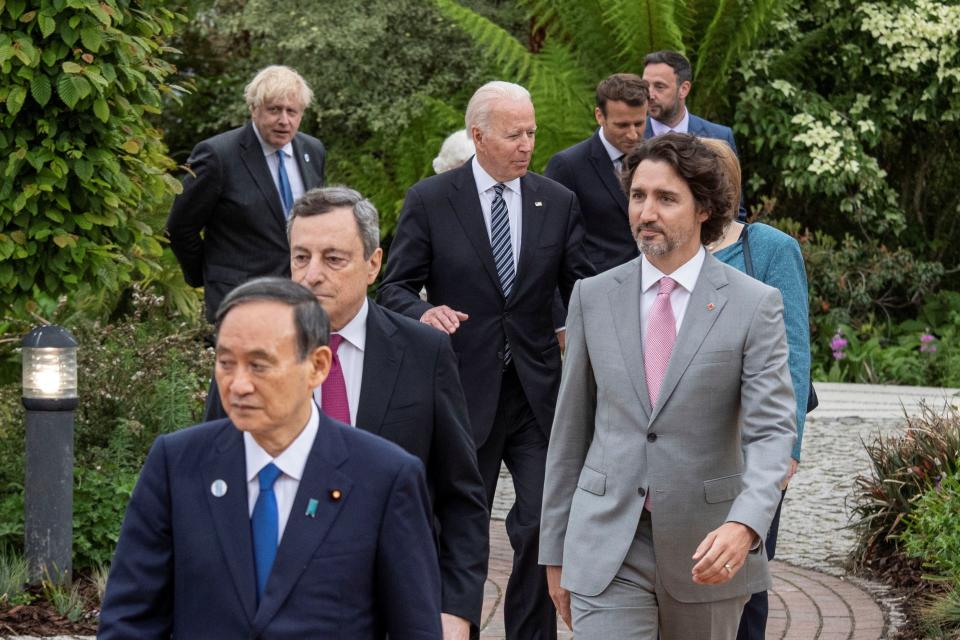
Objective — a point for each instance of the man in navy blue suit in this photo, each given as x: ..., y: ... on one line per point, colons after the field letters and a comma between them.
x: 277, y: 522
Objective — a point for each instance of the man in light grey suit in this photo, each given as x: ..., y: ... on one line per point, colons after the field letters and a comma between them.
x: 674, y: 424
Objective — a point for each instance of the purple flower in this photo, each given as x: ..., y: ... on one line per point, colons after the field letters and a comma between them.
x: 928, y: 343
x: 837, y: 344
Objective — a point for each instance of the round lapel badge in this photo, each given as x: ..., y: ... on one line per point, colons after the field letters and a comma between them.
x: 218, y: 488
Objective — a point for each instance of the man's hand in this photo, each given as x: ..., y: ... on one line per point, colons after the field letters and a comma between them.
x: 454, y: 627
x: 444, y: 318
x: 790, y: 472
x: 559, y: 595
x: 562, y: 339
x: 722, y: 553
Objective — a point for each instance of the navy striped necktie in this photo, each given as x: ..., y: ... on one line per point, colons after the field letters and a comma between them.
x: 502, y: 249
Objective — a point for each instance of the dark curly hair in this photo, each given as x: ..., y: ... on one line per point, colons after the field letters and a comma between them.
x: 700, y: 168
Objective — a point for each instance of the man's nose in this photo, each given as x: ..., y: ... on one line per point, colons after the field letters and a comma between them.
x: 240, y: 382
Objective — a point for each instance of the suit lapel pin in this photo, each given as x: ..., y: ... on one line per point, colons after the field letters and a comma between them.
x: 312, y: 508
x: 306, y: 157
x: 218, y: 488
x: 335, y: 494
x: 538, y: 204
x: 711, y: 306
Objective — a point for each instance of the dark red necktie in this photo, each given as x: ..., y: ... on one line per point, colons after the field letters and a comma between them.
x: 333, y: 391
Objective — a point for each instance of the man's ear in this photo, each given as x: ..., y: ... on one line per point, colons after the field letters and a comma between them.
x: 373, y: 265
x: 684, y: 89
x: 320, y: 360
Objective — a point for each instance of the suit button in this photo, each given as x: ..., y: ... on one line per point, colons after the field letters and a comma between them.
x: 651, y: 437
x: 642, y: 491
x: 499, y: 355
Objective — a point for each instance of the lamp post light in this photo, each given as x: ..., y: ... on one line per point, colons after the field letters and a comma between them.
x: 49, y: 396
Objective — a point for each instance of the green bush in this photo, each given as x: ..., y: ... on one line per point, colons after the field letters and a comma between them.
x: 904, y: 468
x: 79, y: 158
x: 932, y: 532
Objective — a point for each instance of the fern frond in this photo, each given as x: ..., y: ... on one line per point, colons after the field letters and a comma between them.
x: 639, y: 27
x: 734, y: 29
x: 578, y: 24
x: 512, y: 59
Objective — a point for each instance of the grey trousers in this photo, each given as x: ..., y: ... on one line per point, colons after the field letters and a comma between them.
x: 635, y: 606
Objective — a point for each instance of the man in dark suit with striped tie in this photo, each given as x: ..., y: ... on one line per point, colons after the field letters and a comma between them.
x: 491, y: 242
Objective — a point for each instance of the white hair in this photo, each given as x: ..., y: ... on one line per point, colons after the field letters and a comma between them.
x: 275, y: 82
x: 455, y: 150
x: 484, y: 99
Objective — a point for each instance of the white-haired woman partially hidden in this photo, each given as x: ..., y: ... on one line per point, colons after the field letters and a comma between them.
x: 455, y: 150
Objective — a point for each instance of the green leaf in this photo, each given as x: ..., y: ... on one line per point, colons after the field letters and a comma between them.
x: 83, y: 169
x: 71, y: 67
x: 15, y: 8
x: 91, y: 39
x: 47, y: 25
x: 67, y: 88
x: 64, y: 240
x: 101, y: 110
x: 28, y: 16
x: 15, y: 99
x: 40, y: 89
x: 131, y: 146
x: 6, y: 52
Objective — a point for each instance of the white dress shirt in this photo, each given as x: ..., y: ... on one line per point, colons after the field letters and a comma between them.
x: 614, y: 153
x: 685, y: 276
x: 289, y: 163
x: 511, y: 196
x: 291, y: 463
x: 351, y: 359
x: 659, y: 128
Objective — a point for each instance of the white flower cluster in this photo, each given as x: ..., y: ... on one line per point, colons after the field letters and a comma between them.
x: 926, y: 33
x: 830, y: 146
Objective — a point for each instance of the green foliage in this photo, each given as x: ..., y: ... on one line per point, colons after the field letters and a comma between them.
x: 100, y: 496
x: 931, y: 532
x: 78, y: 156
x: 66, y: 599
x: 904, y: 468
x: 13, y: 577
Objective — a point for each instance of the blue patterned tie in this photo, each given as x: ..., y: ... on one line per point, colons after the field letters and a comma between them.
x: 502, y: 250
x: 265, y: 525
x: 286, y: 193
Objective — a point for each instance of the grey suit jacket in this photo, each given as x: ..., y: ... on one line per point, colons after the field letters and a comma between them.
x: 713, y: 449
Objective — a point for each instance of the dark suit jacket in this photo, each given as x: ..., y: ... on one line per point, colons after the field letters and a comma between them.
x: 364, y: 567
x: 234, y: 201
x: 411, y: 395
x: 586, y: 169
x: 442, y: 243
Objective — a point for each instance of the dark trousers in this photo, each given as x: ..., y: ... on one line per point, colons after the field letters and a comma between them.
x: 518, y: 440
x: 753, y: 622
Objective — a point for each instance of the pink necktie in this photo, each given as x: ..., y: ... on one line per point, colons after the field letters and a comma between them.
x: 657, y: 345
x: 333, y: 391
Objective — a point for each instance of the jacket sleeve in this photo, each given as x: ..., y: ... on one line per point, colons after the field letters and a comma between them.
x: 576, y: 265
x: 191, y: 210
x: 409, y: 260
x: 138, y: 602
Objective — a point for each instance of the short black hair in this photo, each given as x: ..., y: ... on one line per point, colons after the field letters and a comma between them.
x: 309, y: 318
x: 699, y: 166
x: 622, y: 87
x: 676, y: 61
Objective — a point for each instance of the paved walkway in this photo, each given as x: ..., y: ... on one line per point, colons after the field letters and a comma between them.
x: 812, y: 597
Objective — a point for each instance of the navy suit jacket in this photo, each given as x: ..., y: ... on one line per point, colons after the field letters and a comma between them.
x: 586, y: 169
x: 411, y: 395
x: 364, y: 567
x: 232, y: 198
x: 442, y: 243
x: 702, y: 128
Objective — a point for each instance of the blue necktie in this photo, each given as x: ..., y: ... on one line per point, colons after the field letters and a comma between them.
x: 265, y: 524
x: 502, y: 250
x: 286, y: 193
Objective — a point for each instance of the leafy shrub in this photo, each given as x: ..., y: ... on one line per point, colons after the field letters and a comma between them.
x: 931, y: 532
x: 13, y: 577
x: 904, y: 468
x: 79, y: 158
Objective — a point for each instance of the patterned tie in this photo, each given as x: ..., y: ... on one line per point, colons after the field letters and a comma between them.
x: 333, y: 391
x: 265, y: 526
x: 502, y: 251
x: 618, y: 164
x: 661, y: 334
x: 286, y: 193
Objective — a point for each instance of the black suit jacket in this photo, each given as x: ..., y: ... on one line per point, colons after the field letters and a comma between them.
x: 361, y: 566
x: 441, y: 242
x: 411, y: 395
x: 232, y: 199
x: 586, y: 169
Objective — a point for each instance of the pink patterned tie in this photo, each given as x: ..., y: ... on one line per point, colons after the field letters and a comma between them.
x: 333, y: 391
x: 657, y: 345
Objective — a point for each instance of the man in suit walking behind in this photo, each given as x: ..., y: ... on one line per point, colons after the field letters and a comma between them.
x: 675, y: 421
x: 230, y: 223
x: 591, y: 169
x: 491, y: 242
x: 277, y: 522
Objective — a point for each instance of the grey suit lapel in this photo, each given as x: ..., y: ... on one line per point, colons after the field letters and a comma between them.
x: 251, y: 154
x: 625, y: 311
x: 704, y: 307
x: 465, y: 203
x: 604, y: 168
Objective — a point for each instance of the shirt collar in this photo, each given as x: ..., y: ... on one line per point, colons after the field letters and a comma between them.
x: 485, y: 182
x: 291, y: 460
x: 660, y: 128
x: 685, y: 276
x: 269, y: 149
x: 355, y: 331
x: 614, y: 153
